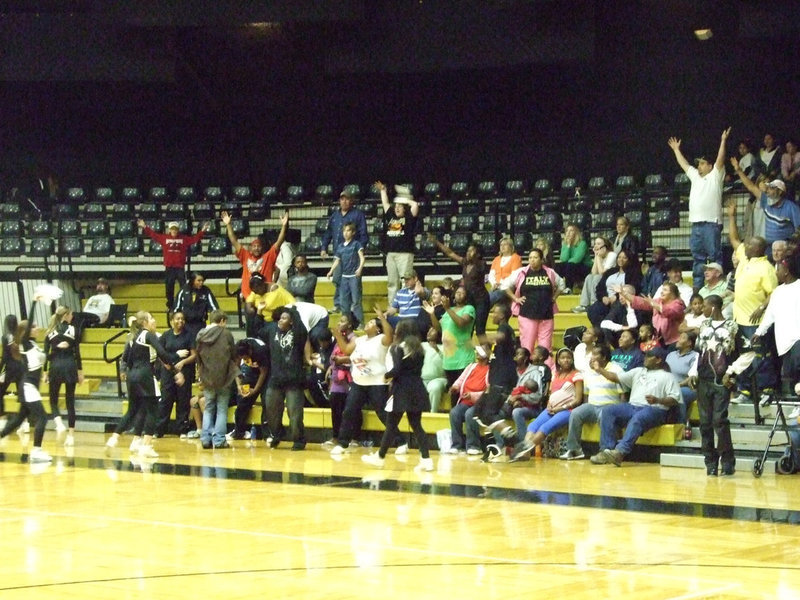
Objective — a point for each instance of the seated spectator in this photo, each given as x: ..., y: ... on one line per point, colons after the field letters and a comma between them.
x: 621, y: 317
x: 790, y: 167
x: 302, y: 283
x: 465, y: 392
x: 599, y: 393
x: 714, y: 282
x: 407, y: 302
x: 779, y: 251
x: 628, y: 355
x: 566, y: 392
x: 675, y: 275
x: 653, y: 391
x: 250, y: 384
x: 626, y: 271
x: 95, y: 311
x: 456, y: 327
x: 693, y: 319
x: 647, y: 337
x: 339, y: 378
x: 681, y: 361
x: 574, y: 260
x: 501, y: 273
x: 656, y: 273
x: 547, y: 252
x: 433, y: 375
x: 604, y: 259
x: 592, y: 336
x: 747, y: 161
x: 424, y: 322
x: 668, y: 311
x: 525, y: 400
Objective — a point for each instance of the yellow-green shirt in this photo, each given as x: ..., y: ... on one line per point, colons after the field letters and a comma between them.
x: 755, y: 280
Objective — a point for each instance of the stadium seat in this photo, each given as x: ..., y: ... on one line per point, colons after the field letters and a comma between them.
x: 459, y: 189
x: 101, y: 247
x: 121, y: 210
x: 152, y: 248
x: 149, y: 211
x: 296, y: 194
x: 131, y: 195
x: 104, y: 195
x: 321, y: 225
x: 214, y: 195
x: 516, y: 188
x: 242, y: 194
x: 605, y: 220
x: 494, y: 221
x: 427, y: 248
x: 550, y: 204
x: 324, y: 193
x: 175, y: 210
x: 663, y: 201
x: 582, y: 220
x: 523, y: 222
x: 158, y: 195
x: 240, y: 227
x: 356, y: 192
x: 432, y: 191
x: 634, y: 202
x: 218, y: 246
x: 76, y: 195
x: 568, y: 186
x: 466, y: 223
x: 550, y: 221
x: 65, y: 211
x: 438, y: 224
x: 624, y: 184
x: 234, y: 209
x: 10, y: 211
x: 12, y: 229
x: 490, y: 242
x: 472, y: 206
x: 606, y: 202
x: 69, y: 228
x: 597, y: 185
x: 666, y: 218
x: 40, y: 229
x: 42, y: 246
x: 71, y: 247
x: 654, y: 182
x: 269, y: 195
x: 553, y: 238
x: 487, y: 189
x: 681, y: 183
x: 122, y: 229
x: 312, y: 244
x: 459, y: 242
x: 203, y: 211
x: 130, y: 247
x: 542, y: 187
x: 579, y: 205
x: 186, y: 195
x: 12, y: 247
x: 638, y: 219
x: 257, y: 211
x: 93, y: 210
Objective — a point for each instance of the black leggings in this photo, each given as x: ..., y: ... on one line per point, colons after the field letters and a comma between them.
x: 337, y: 400
x: 142, y: 404
x: 69, y: 393
x: 17, y: 381
x: 392, y: 432
x: 34, y: 412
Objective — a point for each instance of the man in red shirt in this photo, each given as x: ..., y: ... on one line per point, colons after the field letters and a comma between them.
x: 175, y: 247
x: 254, y: 259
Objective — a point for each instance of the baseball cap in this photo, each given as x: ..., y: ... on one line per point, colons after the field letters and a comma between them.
x: 173, y: 224
x: 713, y: 265
x: 409, y: 274
x: 658, y: 352
x: 777, y: 183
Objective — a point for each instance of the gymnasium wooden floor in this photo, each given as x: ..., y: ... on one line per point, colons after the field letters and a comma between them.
x: 254, y: 523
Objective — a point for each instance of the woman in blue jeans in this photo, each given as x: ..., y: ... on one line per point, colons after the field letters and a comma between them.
x: 566, y: 392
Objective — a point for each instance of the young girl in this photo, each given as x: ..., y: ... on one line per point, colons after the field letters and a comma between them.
x: 339, y: 377
x: 142, y: 394
x: 566, y: 392
x: 62, y: 347
x: 694, y: 318
x: 408, y: 394
x: 647, y: 338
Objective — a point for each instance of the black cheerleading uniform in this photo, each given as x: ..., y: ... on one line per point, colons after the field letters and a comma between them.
x: 139, y: 359
x: 64, y: 364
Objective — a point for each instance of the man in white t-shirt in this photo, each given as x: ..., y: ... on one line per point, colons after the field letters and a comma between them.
x: 97, y: 307
x: 705, y: 205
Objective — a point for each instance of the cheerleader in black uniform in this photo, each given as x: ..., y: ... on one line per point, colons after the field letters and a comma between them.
x: 408, y: 393
x: 31, y: 358
x: 62, y: 347
x: 141, y: 351
x: 12, y: 367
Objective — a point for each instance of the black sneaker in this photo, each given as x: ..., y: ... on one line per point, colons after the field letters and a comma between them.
x: 297, y: 446
x: 207, y: 446
x: 222, y: 446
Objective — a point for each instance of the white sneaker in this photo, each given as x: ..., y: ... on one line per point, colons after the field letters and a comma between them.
x: 147, y: 452
x: 740, y: 399
x: 40, y: 456
x: 3, y: 422
x: 473, y: 451
x: 579, y: 309
x: 353, y: 446
x: 247, y: 435
x: 183, y: 436
x: 112, y: 442
x: 794, y: 414
x: 373, y: 459
x: 401, y: 450
x: 193, y: 435
x: 425, y: 464
x: 337, y: 450
x: 60, y: 427
x: 135, y: 444
x: 453, y: 450
x: 69, y: 441
x: 25, y: 427
x: 328, y: 444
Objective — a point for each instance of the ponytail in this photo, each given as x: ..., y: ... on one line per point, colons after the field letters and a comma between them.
x: 57, y: 317
x: 137, y: 324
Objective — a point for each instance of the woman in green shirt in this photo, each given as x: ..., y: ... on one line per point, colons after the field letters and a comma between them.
x: 575, y: 261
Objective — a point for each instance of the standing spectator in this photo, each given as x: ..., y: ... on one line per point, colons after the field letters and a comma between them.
x: 250, y: 384
x: 534, y: 302
x: 625, y: 272
x: 302, y: 282
x: 456, y: 327
x: 574, y: 261
x: 399, y: 228
x: 718, y: 344
x: 286, y: 341
x: 180, y: 341
x: 627, y: 241
x: 175, y: 247
x: 790, y: 167
x: 217, y: 368
x: 339, y: 377
x: 705, y: 205
x: 97, y: 307
x: 473, y: 278
x: 195, y: 301
x: 668, y: 311
x: 653, y: 391
x: 350, y: 257
x: 407, y: 302
x: 408, y: 395
x: 681, y: 362
x: 769, y: 157
x: 748, y: 161
x: 604, y: 259
x: 334, y: 235
x: 782, y: 214
x: 253, y: 259
x: 62, y: 348
x: 502, y: 271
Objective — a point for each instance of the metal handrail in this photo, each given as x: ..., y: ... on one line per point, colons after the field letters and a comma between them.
x: 238, y: 297
x: 115, y: 359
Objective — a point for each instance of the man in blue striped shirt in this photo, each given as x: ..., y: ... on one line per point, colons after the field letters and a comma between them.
x: 408, y: 300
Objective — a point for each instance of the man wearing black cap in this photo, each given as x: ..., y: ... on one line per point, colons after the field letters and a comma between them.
x: 705, y: 205
x: 333, y: 234
x: 653, y: 391
x: 175, y: 246
x: 97, y: 307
